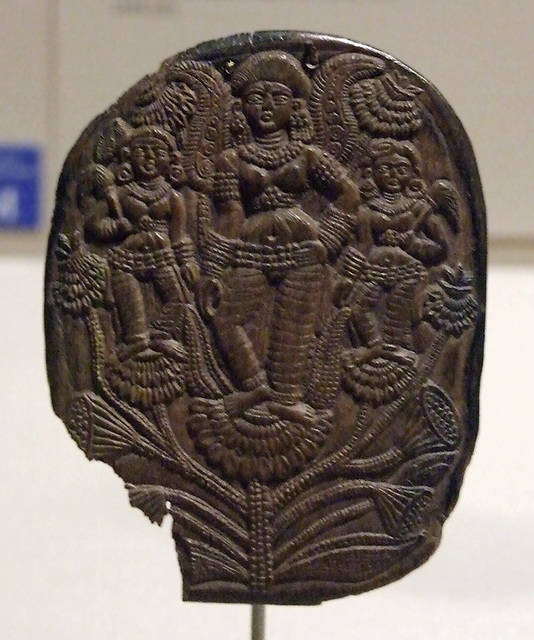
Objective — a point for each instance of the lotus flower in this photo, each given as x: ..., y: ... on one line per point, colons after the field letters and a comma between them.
x: 82, y: 277
x: 450, y: 306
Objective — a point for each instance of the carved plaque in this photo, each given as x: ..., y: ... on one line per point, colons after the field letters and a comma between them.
x: 264, y: 309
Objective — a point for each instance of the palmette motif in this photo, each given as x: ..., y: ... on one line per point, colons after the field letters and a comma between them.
x: 264, y: 309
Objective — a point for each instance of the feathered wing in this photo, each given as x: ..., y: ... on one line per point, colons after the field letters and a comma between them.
x: 336, y: 127
x: 187, y: 98
x: 204, y: 137
x: 447, y: 201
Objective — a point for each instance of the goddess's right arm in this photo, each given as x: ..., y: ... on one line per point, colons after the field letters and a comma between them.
x: 227, y: 196
x: 228, y: 217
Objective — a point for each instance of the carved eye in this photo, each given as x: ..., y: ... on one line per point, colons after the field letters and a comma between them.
x: 403, y: 169
x: 384, y: 169
x: 280, y: 99
x: 254, y: 98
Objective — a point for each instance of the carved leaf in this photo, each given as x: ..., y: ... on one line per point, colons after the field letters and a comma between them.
x: 441, y: 414
x: 367, y: 555
x: 208, y: 564
x: 97, y: 429
x: 200, y: 528
x: 151, y: 499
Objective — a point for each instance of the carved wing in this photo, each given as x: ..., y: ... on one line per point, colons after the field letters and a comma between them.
x: 205, y: 135
x: 445, y: 195
x: 187, y: 98
x: 336, y: 126
x: 387, y: 107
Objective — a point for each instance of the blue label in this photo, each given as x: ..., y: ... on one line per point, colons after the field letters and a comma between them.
x: 20, y: 186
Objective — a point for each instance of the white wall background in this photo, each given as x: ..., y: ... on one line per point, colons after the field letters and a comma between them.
x: 64, y: 61
x: 77, y: 562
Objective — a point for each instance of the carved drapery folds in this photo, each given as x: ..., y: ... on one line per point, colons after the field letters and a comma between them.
x: 264, y: 309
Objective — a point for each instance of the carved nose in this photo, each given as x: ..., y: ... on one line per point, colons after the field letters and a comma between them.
x: 268, y: 102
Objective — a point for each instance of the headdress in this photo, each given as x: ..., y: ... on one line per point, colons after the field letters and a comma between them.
x: 272, y: 66
x: 380, y: 148
x: 147, y: 133
x: 151, y: 132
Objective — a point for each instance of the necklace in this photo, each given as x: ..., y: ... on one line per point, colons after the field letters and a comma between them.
x: 270, y: 158
x: 391, y: 207
x: 149, y: 193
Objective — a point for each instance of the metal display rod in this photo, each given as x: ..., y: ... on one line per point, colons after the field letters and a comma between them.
x: 257, y: 626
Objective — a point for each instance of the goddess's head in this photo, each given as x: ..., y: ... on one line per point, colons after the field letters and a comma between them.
x: 273, y: 89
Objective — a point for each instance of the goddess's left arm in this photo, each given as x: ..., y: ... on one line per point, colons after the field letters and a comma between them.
x: 329, y: 178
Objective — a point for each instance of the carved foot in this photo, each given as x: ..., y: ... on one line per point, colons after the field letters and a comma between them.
x: 300, y: 413
x: 237, y: 403
x: 128, y: 350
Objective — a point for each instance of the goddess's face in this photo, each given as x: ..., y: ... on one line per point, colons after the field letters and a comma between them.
x: 393, y: 173
x: 149, y: 158
x: 267, y: 106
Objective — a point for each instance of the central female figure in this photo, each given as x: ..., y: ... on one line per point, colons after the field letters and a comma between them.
x: 266, y: 257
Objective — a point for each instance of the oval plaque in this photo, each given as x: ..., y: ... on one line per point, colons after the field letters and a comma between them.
x: 264, y: 309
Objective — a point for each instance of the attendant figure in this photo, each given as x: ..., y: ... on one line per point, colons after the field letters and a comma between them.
x: 143, y: 217
x: 401, y: 236
x: 146, y: 221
